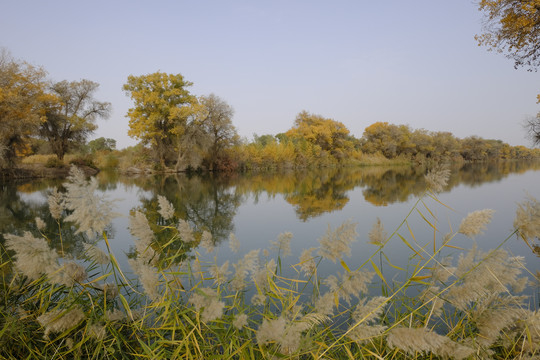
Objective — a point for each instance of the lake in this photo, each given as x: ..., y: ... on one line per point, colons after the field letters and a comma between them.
x: 258, y: 207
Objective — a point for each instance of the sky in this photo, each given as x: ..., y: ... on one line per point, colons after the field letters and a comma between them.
x: 358, y: 62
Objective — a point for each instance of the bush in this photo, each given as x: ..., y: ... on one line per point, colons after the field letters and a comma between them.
x: 54, y: 162
x: 83, y: 160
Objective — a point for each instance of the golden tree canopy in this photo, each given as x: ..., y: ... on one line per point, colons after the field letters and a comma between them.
x: 513, y: 27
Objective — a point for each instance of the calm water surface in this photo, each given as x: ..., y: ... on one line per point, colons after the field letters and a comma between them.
x: 258, y: 207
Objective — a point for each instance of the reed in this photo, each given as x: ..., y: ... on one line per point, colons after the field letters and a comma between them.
x: 179, y: 307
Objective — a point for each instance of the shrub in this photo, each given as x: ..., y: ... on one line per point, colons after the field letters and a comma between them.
x: 83, y: 160
x: 54, y: 162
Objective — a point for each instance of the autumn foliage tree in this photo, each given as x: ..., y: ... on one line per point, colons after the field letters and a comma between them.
x: 22, y: 95
x: 512, y: 27
x: 159, y: 100
x: 331, y: 136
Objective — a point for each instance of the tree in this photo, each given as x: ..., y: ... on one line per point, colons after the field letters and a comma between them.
x: 69, y: 121
x: 192, y: 141
x: 218, y: 125
x: 388, y: 139
x: 330, y: 135
x: 22, y: 95
x: 532, y: 127
x: 159, y: 99
x: 512, y: 27
x: 101, y: 144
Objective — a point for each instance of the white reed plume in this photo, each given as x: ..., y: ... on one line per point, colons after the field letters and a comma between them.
x: 240, y: 321
x: 377, y: 235
x: 476, y: 222
x: 96, y: 254
x: 365, y: 315
x: 414, y: 340
x: 283, y: 243
x: 287, y: 331
x: 220, y: 273
x: 166, y: 210
x: 207, y: 242
x: 307, y: 262
x: 139, y: 228
x: 40, y: 224
x: 437, y: 179
x: 527, y: 220
x: 97, y: 332
x: 262, y: 276
x: 482, y: 275
x: 148, y: 277
x: 350, y: 284
x: 69, y: 274
x: 90, y: 212
x: 248, y: 264
x: 34, y: 257
x: 324, y: 304
x: 115, y: 315
x: 61, y: 320
x: 208, y: 300
x: 336, y: 243
x: 110, y: 290
x: 56, y: 206
x: 234, y: 244
x: 185, y: 231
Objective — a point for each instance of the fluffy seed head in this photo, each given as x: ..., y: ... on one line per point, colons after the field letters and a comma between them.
x: 437, y: 179
x: 527, y: 220
x: 240, y: 321
x: 60, y: 320
x: 40, y: 224
x: 283, y: 244
x: 166, y: 210
x: 336, y: 243
x: 207, y: 299
x: 34, y: 257
x: 91, y: 213
x: 476, y: 222
x: 307, y: 262
x: 234, y: 244
x: 55, y: 201
x: 185, y: 231
x: 96, y: 254
x: 377, y: 235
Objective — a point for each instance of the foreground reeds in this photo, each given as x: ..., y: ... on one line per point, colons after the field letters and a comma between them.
x: 174, y: 305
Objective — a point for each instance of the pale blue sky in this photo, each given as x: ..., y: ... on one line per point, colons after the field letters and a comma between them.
x: 358, y: 62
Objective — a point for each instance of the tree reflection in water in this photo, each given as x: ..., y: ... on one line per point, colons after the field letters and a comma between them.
x: 210, y: 202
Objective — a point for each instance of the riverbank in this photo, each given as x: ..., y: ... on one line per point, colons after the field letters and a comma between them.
x: 36, y: 171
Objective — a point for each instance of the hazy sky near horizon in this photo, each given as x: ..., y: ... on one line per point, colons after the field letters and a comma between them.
x: 358, y: 62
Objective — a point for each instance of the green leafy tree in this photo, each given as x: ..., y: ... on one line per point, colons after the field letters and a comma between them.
x: 69, y: 121
x: 101, y: 144
x: 159, y: 99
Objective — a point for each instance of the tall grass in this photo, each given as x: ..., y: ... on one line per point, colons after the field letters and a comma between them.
x: 180, y: 307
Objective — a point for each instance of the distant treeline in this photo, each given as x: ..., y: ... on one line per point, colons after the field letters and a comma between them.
x: 178, y: 131
x: 316, y: 140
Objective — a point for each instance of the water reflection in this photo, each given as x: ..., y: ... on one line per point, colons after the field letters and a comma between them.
x: 210, y: 202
